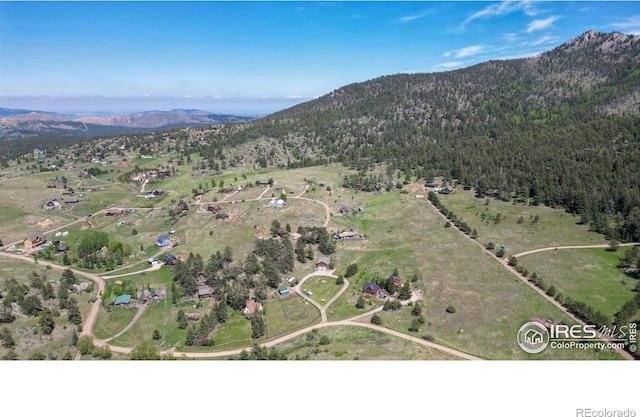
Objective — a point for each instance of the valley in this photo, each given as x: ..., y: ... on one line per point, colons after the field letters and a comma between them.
x: 410, y: 217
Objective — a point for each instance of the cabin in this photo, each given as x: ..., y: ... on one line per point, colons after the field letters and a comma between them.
x: 34, y: 240
x: 163, y: 241
x: 323, y: 264
x: 169, y: 259
x: 395, y: 280
x: 214, y: 208
x: 251, y: 307
x: 371, y: 289
x: 205, y: 291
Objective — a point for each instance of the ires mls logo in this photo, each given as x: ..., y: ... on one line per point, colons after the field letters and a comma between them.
x: 535, y: 335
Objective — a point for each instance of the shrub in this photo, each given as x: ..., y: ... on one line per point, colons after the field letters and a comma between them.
x: 451, y: 309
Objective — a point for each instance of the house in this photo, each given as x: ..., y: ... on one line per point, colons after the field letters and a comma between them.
x: 123, y: 300
x: 446, y: 190
x: 371, y: 289
x: 214, y: 208
x: 223, y: 216
x: 39, y: 155
x: 251, y: 307
x: 52, y: 204
x: 262, y: 183
x: 205, y: 291
x: 114, y: 212
x: 62, y: 249
x: 158, y: 193
x: 34, y: 240
x: 163, y: 241
x: 431, y: 185
x: 395, y: 280
x: 169, y: 259
x: 346, y: 235
x: 323, y: 264
x: 283, y: 291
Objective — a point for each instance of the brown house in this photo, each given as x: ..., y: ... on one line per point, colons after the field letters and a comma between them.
x: 371, y: 289
x: 323, y: 264
x: 251, y: 307
x: 34, y: 240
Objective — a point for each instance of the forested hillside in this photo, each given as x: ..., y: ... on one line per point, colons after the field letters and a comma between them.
x: 560, y: 129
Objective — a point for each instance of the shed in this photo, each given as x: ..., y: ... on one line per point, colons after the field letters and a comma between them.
x: 283, y: 291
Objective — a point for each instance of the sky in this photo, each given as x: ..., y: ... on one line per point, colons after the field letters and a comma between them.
x: 257, y: 57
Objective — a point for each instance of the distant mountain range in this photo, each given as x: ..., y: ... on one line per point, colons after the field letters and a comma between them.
x: 19, y: 123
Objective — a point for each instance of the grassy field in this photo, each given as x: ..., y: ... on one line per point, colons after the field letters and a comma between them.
x: 491, y: 303
x: 109, y: 323
x: 355, y: 343
x: 322, y: 288
x: 400, y: 232
x: 587, y: 275
x: 554, y: 228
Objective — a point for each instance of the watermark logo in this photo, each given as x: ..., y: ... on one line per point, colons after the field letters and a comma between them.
x: 533, y: 337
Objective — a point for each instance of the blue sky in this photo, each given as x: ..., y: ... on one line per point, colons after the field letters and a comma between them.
x: 259, y: 57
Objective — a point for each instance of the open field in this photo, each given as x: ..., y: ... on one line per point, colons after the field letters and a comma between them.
x: 355, y: 343
x: 322, y: 288
x: 554, y: 228
x: 491, y: 303
x: 587, y: 275
x: 400, y: 232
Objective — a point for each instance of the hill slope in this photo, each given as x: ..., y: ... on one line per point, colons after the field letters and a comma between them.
x: 560, y: 129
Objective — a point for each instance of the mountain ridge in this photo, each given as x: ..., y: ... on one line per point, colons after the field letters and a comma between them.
x: 17, y: 123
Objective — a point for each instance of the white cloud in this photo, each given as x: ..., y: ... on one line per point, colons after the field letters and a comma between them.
x: 420, y: 15
x: 501, y: 9
x: 541, y: 24
x: 406, y: 19
x: 542, y: 40
x: 469, y: 51
x: 448, y: 65
x: 630, y: 25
